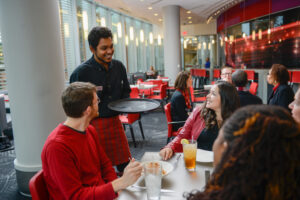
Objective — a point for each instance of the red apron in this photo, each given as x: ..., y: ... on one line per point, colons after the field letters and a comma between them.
x: 112, y: 139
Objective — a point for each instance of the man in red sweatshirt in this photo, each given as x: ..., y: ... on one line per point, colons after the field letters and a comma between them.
x: 74, y: 163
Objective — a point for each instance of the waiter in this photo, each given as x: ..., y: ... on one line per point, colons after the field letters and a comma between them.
x: 109, y: 76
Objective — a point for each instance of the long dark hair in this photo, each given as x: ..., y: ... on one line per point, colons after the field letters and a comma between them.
x: 262, y: 160
x: 230, y: 101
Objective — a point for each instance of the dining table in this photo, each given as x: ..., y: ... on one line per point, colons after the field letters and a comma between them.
x: 175, y: 183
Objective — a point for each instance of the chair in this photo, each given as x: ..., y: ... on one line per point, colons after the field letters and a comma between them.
x: 195, y: 96
x: 134, y: 94
x: 253, y: 88
x: 37, y: 187
x: 129, y: 119
x: 161, y: 96
x: 171, y: 133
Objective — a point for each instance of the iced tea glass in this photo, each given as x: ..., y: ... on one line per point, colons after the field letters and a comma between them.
x: 189, y: 154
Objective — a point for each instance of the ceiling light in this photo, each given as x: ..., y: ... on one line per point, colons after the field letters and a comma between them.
x: 159, y: 40
x: 160, y: 20
x: 155, y: 14
x: 189, y: 17
x: 119, y: 30
x: 141, y: 35
x: 151, y: 38
x: 190, y: 22
x: 213, y: 41
x: 131, y: 33
x: 150, y: 8
x: 126, y: 40
x: 188, y: 12
x: 103, y: 22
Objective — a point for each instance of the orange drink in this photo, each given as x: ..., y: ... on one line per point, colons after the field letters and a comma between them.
x: 189, y: 153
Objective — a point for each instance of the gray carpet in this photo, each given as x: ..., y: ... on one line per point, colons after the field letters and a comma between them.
x: 155, y: 130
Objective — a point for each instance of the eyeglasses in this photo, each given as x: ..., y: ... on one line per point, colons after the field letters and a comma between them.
x: 98, y: 100
x: 226, y: 74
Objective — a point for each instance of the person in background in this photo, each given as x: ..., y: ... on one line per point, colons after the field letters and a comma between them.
x: 180, y: 100
x: 152, y: 73
x: 282, y: 94
x: 226, y: 74
x: 240, y: 80
x: 295, y: 106
x: 204, y: 122
x: 207, y: 63
x: 111, y: 81
x: 256, y: 156
x: 74, y: 163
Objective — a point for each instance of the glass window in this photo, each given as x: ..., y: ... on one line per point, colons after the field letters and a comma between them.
x: 84, y: 18
x: 2, y: 68
x: 117, y: 29
x: 67, y: 26
x: 130, y: 45
x: 101, y: 16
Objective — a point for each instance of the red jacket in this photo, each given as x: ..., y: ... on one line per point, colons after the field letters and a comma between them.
x: 192, y: 127
x: 75, y: 165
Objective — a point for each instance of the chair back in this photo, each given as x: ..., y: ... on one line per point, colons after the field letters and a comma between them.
x: 169, y: 119
x: 253, y: 88
x: 163, y: 91
x: 295, y: 77
x: 37, y: 187
x: 129, y: 118
x: 134, y: 93
x: 217, y: 73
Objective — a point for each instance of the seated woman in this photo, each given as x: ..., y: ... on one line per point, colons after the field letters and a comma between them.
x: 152, y: 73
x: 204, y: 122
x: 180, y: 101
x: 282, y: 94
x: 256, y: 156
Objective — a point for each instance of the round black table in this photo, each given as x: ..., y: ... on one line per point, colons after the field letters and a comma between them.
x: 133, y: 105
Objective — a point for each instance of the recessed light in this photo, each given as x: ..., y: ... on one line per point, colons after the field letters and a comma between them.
x: 150, y: 8
x: 190, y: 22
x: 189, y: 17
x: 188, y: 12
x: 160, y: 20
x: 155, y: 14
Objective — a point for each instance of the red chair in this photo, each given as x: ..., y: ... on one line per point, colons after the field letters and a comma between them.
x: 253, y: 88
x: 129, y: 119
x: 171, y: 133
x: 134, y: 94
x: 198, y: 99
x: 217, y: 74
x: 161, y: 96
x: 251, y: 75
x: 37, y: 187
x: 295, y: 77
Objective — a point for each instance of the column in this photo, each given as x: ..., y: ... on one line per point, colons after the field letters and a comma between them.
x: 172, y: 46
x: 34, y: 62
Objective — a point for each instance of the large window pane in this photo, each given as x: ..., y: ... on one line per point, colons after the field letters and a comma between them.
x: 117, y: 28
x: 67, y: 26
x: 84, y: 18
x: 2, y: 68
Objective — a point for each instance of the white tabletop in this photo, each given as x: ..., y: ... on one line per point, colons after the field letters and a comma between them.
x: 143, y: 86
x: 179, y: 180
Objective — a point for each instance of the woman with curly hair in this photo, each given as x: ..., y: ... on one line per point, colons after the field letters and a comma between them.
x: 204, y: 122
x: 282, y: 94
x: 180, y: 101
x: 257, y: 156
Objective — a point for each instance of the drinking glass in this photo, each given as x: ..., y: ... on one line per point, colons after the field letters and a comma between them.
x: 153, y: 175
x: 189, y: 154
